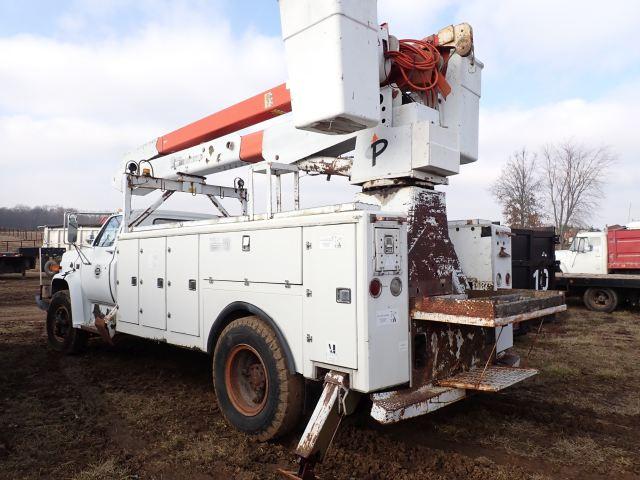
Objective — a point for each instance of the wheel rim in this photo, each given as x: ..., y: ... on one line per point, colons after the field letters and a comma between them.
x: 246, y: 380
x: 61, y: 323
x: 602, y: 298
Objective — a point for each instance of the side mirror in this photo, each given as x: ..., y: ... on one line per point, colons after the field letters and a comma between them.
x: 72, y: 229
x: 89, y: 241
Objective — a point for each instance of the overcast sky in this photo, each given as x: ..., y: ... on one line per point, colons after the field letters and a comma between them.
x: 82, y: 82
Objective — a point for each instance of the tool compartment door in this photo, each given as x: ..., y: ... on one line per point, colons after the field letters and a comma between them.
x: 262, y: 256
x: 127, y: 281
x: 151, y: 285
x: 330, y: 328
x: 183, y: 285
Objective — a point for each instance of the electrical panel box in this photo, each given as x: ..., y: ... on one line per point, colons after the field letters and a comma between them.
x: 333, y: 57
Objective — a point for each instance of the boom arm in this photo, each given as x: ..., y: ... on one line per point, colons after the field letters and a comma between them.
x: 410, y: 72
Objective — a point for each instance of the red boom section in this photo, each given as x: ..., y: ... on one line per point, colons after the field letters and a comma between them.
x: 251, y: 111
x: 624, y: 249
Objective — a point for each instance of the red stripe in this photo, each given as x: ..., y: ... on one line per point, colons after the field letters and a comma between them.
x: 251, y: 147
x: 251, y: 111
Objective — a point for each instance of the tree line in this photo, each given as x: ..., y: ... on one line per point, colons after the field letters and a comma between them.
x: 29, y: 218
x: 561, y: 185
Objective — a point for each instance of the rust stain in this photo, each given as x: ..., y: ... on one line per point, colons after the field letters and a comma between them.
x: 442, y: 350
x: 490, y: 304
x: 434, y: 268
x: 327, y: 166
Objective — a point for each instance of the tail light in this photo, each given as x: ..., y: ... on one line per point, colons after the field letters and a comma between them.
x: 507, y: 279
x: 375, y: 288
x: 396, y: 287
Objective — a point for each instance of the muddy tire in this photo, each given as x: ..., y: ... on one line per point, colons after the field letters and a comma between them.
x: 256, y: 392
x: 61, y: 335
x: 601, y: 299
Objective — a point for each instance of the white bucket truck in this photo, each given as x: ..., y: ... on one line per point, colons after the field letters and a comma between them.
x: 368, y: 296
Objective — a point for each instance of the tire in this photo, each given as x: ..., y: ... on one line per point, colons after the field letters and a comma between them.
x: 61, y: 335
x: 601, y: 299
x: 256, y: 392
x: 47, y: 267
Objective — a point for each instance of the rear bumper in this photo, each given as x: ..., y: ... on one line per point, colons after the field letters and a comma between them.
x: 394, y: 406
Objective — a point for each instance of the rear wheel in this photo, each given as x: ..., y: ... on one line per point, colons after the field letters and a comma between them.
x: 256, y: 392
x: 61, y: 335
x: 601, y: 299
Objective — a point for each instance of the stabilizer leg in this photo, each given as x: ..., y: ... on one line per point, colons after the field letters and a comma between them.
x: 335, y: 402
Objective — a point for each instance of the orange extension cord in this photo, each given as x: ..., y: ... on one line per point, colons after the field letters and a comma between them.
x: 418, y: 66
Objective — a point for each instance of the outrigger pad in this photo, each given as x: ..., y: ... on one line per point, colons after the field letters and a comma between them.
x: 492, y: 379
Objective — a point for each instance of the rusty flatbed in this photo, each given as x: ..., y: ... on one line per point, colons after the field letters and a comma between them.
x: 489, y: 308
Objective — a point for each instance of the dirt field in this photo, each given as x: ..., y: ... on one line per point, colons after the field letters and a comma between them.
x: 147, y: 411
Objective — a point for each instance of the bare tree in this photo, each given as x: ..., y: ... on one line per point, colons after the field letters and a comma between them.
x: 519, y: 190
x: 574, y: 177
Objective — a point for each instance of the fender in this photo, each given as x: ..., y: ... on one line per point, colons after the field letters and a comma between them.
x: 72, y: 283
x: 238, y: 310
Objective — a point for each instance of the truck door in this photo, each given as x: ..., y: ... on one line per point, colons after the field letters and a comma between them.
x: 98, y: 278
x: 585, y: 258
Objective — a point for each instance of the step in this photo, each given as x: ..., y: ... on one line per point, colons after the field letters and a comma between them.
x: 392, y: 407
x: 493, y: 379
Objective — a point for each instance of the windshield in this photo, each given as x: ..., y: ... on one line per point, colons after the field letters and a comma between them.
x: 109, y: 232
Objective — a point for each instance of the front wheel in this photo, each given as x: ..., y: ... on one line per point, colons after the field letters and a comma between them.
x: 256, y: 392
x: 61, y: 335
x: 601, y: 299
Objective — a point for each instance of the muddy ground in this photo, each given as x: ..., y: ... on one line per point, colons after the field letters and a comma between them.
x: 146, y: 410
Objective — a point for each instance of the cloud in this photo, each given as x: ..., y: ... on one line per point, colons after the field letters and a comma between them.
x: 573, y: 36
x: 70, y: 107
x: 117, y: 74
x: 609, y: 120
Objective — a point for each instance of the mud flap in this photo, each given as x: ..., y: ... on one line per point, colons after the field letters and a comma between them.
x: 102, y: 323
x: 335, y: 402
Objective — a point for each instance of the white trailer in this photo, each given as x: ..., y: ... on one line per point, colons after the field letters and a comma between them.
x: 369, y: 296
x: 484, y: 250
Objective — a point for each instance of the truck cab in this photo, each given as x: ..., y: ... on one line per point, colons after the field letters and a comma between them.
x: 586, y: 254
x: 88, y: 270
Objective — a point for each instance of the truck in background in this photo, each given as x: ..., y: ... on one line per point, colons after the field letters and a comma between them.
x: 533, y: 260
x: 603, y: 267
x: 16, y: 262
x: 54, y: 238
